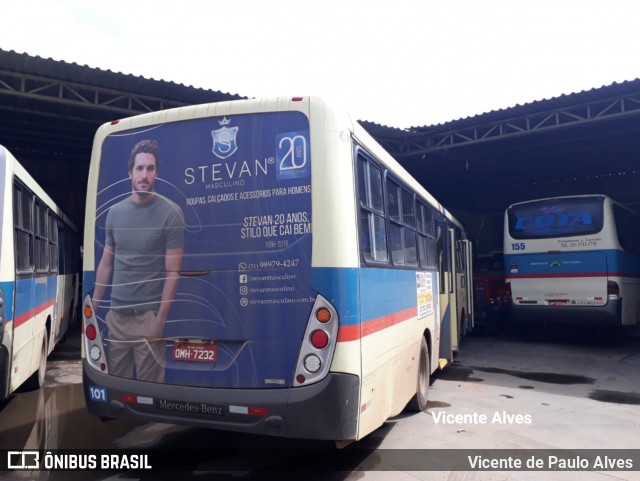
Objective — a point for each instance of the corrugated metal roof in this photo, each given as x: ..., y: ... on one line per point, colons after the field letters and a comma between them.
x: 50, y: 110
x: 545, y: 105
x: 53, y: 135
x: 73, y: 72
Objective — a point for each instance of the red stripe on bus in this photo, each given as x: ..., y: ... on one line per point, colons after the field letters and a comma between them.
x: 352, y: 332
x: 349, y: 333
x: 570, y: 274
x: 22, y: 318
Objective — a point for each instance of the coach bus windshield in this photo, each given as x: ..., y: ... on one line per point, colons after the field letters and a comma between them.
x: 556, y: 218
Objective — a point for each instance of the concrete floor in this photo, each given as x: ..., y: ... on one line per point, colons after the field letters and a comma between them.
x: 549, y: 390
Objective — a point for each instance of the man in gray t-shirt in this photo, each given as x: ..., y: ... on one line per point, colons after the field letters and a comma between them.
x: 144, y: 245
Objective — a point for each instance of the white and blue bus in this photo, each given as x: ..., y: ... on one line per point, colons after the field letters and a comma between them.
x: 573, y: 259
x: 39, y: 277
x: 313, y: 291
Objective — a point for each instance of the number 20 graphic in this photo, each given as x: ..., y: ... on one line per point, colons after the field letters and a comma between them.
x: 295, y: 155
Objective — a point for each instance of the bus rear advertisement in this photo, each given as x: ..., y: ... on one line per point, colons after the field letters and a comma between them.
x: 224, y: 280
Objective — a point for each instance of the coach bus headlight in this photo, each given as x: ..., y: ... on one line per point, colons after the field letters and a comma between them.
x: 312, y: 363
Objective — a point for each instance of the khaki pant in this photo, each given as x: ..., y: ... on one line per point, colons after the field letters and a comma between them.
x: 129, y: 353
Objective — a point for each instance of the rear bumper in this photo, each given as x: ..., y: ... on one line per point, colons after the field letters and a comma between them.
x: 326, y: 410
x: 608, y: 315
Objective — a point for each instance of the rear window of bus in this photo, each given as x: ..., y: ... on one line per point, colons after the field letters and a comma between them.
x: 556, y: 218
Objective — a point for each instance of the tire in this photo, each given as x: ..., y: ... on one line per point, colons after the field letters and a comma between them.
x: 36, y: 381
x: 418, y: 402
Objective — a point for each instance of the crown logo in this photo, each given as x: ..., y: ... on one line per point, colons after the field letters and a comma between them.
x: 224, y: 121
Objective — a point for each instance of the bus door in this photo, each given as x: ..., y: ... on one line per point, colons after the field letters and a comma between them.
x: 445, y: 290
x: 468, y: 275
x: 456, y: 288
x: 463, y: 284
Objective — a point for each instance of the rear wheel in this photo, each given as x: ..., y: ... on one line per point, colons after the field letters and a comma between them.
x: 36, y: 381
x: 419, y: 402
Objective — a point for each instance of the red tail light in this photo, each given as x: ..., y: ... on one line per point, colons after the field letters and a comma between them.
x: 319, y: 343
x: 90, y: 332
x: 319, y: 339
x: 92, y: 342
x: 613, y: 290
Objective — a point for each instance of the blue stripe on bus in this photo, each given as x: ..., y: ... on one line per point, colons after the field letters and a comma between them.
x: 7, y: 289
x: 340, y: 288
x: 383, y: 291
x: 29, y: 294
x: 387, y: 291
x: 594, y: 263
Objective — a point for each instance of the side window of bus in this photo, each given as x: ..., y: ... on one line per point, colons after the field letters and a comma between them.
x: 42, y: 242
x: 442, y: 254
x: 373, y: 235
x: 459, y: 257
x: 402, y: 225
x: 426, y: 238
x: 53, y: 242
x: 23, y: 224
x: 461, y: 260
x: 628, y: 229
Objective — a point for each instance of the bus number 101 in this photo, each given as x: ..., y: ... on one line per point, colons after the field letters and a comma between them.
x: 98, y: 394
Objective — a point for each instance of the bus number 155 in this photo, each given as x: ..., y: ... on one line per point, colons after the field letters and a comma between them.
x: 518, y: 246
